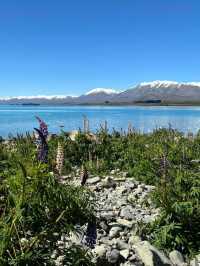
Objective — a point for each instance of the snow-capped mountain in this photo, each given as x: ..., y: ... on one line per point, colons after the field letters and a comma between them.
x: 165, y: 92
x: 39, y: 99
x: 97, y: 96
x: 101, y: 91
x: 162, y: 91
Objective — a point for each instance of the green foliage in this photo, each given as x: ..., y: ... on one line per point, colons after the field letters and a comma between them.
x: 32, y: 199
x: 178, y: 226
x: 164, y: 158
x: 34, y: 206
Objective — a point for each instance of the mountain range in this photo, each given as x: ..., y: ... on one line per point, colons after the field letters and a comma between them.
x: 156, y: 92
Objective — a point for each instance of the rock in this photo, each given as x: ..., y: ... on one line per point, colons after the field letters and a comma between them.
x: 150, y: 256
x: 134, y: 240
x: 75, y: 238
x: 130, y: 185
x: 194, y: 262
x: 105, y: 240
x: 131, y: 198
x: 112, y: 172
x: 121, y: 190
x: 124, y: 174
x: 107, y: 215
x: 59, y: 260
x: 125, y: 223
x: 122, y: 244
x: 93, y: 180
x: 128, y: 263
x: 112, y: 256
x: 149, y: 188
x: 103, y: 225
x: 108, y: 182
x: 195, y: 161
x: 138, y: 191
x: 100, y: 250
x: 119, y: 178
x: 121, y: 202
x: 127, y: 213
x: 114, y: 231
x: 198, y: 257
x: 132, y: 258
x: 124, y: 253
x: 176, y: 258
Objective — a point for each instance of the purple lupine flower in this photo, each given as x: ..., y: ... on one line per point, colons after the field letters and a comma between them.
x: 43, y: 127
x: 42, y: 147
x: 91, y: 234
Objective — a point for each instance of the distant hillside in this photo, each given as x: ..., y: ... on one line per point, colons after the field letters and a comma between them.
x: 162, y: 91
x: 156, y: 92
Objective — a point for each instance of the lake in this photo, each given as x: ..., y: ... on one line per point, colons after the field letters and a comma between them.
x: 19, y: 119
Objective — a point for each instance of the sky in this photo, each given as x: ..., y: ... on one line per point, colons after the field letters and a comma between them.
x: 67, y: 47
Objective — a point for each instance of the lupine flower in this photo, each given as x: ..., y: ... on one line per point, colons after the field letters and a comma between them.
x: 42, y: 147
x: 59, y: 158
x: 84, y: 175
x: 43, y: 127
x: 91, y: 234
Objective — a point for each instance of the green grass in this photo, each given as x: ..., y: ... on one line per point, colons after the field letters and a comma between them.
x: 34, y: 204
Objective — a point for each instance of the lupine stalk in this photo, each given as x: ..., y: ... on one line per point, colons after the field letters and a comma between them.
x: 60, y: 158
x: 43, y: 127
x: 84, y: 175
x: 41, y: 141
x: 91, y: 234
x: 42, y: 147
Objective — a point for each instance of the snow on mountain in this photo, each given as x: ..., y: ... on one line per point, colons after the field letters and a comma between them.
x: 167, y: 84
x: 50, y: 97
x: 101, y: 90
x: 163, y: 91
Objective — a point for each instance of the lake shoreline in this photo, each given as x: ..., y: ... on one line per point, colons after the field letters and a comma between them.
x: 189, y: 104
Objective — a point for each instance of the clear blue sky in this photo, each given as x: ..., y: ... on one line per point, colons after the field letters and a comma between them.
x: 67, y: 47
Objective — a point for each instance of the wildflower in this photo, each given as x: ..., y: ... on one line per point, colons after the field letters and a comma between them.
x: 43, y: 127
x: 91, y: 234
x: 42, y: 147
x: 84, y: 175
x: 59, y: 158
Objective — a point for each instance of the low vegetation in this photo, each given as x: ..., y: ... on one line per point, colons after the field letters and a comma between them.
x: 34, y: 205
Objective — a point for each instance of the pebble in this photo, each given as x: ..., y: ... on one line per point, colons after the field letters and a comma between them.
x: 120, y: 206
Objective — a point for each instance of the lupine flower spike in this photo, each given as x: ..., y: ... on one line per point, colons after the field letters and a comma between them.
x: 43, y: 127
x: 42, y: 147
x: 41, y: 142
x: 60, y: 158
x: 84, y: 175
x: 91, y: 234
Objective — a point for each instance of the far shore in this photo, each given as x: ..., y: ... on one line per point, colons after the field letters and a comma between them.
x: 189, y: 104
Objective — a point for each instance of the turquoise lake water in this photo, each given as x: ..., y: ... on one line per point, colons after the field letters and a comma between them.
x: 19, y: 119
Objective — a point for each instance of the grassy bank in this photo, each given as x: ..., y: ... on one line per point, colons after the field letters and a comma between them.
x: 34, y: 205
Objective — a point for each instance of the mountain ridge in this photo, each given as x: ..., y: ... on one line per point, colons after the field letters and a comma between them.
x: 165, y: 92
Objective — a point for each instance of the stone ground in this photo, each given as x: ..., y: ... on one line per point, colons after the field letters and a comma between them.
x: 123, y: 206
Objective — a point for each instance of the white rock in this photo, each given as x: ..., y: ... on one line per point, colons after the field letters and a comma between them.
x: 127, y: 212
x: 124, y: 253
x: 176, y: 257
x: 108, y: 182
x: 100, y: 250
x: 93, y: 180
x: 125, y: 223
x: 114, y: 231
x: 150, y: 256
x: 112, y: 256
x: 122, y: 244
x: 134, y: 240
x: 194, y: 262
